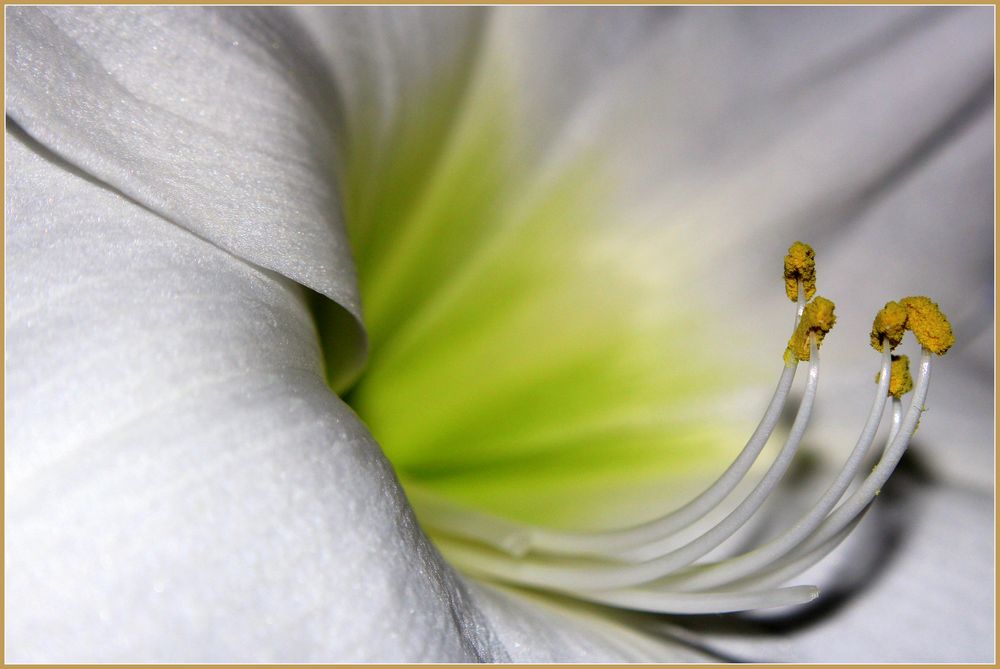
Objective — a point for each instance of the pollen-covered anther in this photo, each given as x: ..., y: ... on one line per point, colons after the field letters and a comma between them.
x: 800, y: 268
x: 900, y: 381
x: 817, y: 319
x: 889, y: 326
x: 928, y: 324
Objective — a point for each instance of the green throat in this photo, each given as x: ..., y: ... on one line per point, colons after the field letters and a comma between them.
x: 520, y: 363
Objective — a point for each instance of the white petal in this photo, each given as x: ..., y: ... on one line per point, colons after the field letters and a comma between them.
x: 747, y: 116
x: 181, y: 483
x: 220, y: 120
x: 182, y: 486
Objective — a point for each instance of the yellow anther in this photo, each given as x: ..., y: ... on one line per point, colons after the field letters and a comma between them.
x: 817, y: 319
x: 918, y: 315
x: 900, y: 381
x: 890, y: 324
x: 800, y: 265
x: 928, y: 324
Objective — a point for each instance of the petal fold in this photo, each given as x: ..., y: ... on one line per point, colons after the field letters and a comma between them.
x: 181, y: 485
x: 221, y: 120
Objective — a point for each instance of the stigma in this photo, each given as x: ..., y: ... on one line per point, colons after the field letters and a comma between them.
x: 662, y: 565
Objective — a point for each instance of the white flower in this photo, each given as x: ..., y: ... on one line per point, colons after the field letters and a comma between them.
x: 181, y: 188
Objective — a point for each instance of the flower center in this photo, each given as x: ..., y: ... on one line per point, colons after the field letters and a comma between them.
x: 654, y: 566
x: 521, y: 362
x: 543, y: 408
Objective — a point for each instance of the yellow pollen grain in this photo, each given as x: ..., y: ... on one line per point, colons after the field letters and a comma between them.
x: 890, y: 324
x: 817, y: 319
x: 900, y: 381
x: 928, y: 324
x: 800, y: 265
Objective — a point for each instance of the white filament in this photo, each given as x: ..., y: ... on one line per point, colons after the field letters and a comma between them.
x: 872, y: 485
x: 748, y: 563
x: 517, y: 539
x: 611, y: 543
x: 838, y: 525
x: 611, y: 576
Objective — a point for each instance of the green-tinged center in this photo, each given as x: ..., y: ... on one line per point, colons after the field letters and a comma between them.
x: 530, y: 356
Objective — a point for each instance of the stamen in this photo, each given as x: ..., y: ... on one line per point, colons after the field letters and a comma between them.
x: 703, y: 602
x: 839, y: 524
x: 517, y: 539
x: 934, y: 328
x: 449, y: 518
x: 873, y: 484
x: 643, y: 568
x: 610, y: 543
x: 800, y: 271
x: 817, y: 319
x: 897, y: 417
x: 745, y: 510
x: 475, y: 561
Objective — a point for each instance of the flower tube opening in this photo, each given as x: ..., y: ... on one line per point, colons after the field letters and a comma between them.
x: 642, y: 568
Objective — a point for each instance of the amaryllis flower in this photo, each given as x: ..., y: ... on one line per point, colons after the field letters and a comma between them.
x: 270, y: 268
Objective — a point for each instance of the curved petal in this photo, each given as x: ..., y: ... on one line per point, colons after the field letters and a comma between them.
x: 787, y: 123
x: 180, y: 483
x: 221, y: 120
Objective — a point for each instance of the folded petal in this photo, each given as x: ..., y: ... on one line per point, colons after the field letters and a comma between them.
x: 181, y: 485
x: 221, y: 120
